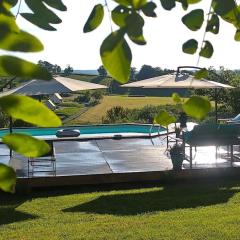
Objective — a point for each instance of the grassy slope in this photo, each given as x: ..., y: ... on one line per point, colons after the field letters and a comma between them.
x: 95, y: 114
x: 182, y: 211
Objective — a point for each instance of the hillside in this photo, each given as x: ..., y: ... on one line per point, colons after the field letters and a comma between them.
x: 95, y: 114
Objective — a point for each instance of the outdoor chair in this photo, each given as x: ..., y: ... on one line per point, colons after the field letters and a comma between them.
x: 235, y: 120
x: 212, y: 135
x: 45, y: 163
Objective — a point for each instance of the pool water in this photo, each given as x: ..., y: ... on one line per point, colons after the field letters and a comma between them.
x: 91, y: 129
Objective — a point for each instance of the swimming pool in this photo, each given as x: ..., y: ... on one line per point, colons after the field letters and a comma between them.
x: 92, y: 130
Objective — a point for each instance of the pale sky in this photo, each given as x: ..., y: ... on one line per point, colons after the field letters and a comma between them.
x: 164, y: 34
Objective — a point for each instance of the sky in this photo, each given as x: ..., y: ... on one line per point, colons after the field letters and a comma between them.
x: 164, y: 34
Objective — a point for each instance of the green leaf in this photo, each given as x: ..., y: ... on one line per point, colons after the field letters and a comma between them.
x: 168, y: 4
x: 22, y: 41
x: 5, y: 7
x: 223, y: 7
x: 7, y: 27
x: 197, y: 107
x: 136, y: 4
x: 194, y: 19
x: 213, y: 24
x: 176, y: 98
x: 149, y: 9
x: 37, y: 21
x: 237, y: 35
x: 12, y: 3
x: 134, y: 26
x: 29, y: 110
x: 207, y: 50
x: 7, y: 178
x: 164, y: 119
x: 120, y: 14
x: 184, y: 4
x: 140, y: 40
x: 190, y: 46
x: 203, y: 73
x: 228, y: 10
x: 125, y: 3
x: 41, y: 15
x: 13, y: 66
x: 26, y: 145
x: 39, y: 9
x: 116, y: 56
x: 193, y: 1
x: 95, y: 18
x: 57, y: 4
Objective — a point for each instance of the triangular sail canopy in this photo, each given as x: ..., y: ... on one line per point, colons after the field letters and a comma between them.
x: 176, y: 81
x: 56, y: 85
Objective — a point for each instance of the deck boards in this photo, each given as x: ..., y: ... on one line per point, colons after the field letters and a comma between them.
x: 115, y: 156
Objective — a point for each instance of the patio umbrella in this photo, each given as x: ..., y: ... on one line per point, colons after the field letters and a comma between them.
x: 179, y: 81
x: 56, y: 85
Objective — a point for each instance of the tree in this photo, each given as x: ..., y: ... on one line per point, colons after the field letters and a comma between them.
x: 133, y: 74
x: 148, y: 71
x: 102, y: 71
x: 52, y: 68
x: 68, y: 70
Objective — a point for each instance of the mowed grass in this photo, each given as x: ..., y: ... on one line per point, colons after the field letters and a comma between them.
x: 206, y: 210
x: 95, y: 114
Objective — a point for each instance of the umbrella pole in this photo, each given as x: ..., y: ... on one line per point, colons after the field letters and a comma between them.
x: 10, y: 131
x: 216, y: 106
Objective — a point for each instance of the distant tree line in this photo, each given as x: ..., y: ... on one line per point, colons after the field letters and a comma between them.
x: 55, y: 69
x: 146, y: 71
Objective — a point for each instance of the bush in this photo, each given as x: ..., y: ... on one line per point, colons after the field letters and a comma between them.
x: 143, y: 115
x: 97, y: 95
x: 85, y: 97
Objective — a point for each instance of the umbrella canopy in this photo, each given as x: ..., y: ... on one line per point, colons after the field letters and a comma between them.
x: 56, y: 85
x: 177, y: 81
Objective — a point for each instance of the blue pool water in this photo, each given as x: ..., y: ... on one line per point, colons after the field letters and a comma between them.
x: 92, y: 129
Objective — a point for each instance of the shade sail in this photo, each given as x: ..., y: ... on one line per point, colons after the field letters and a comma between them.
x: 56, y: 85
x: 176, y: 81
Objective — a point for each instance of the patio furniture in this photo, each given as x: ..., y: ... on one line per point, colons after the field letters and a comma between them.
x: 212, y: 135
x: 45, y: 163
x: 235, y: 120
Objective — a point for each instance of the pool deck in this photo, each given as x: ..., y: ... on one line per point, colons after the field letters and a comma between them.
x: 109, y: 160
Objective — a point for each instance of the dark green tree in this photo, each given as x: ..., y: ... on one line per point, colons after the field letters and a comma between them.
x: 102, y: 71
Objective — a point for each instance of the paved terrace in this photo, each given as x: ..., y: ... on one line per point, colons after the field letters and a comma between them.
x: 116, y: 156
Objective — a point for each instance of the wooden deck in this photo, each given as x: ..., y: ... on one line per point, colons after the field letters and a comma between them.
x: 103, y: 161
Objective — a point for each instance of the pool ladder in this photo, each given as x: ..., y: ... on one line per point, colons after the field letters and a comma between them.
x: 150, y: 131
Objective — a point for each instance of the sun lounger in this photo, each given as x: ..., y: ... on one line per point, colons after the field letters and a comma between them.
x: 212, y: 135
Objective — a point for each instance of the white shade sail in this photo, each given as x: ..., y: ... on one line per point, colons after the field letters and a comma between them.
x: 176, y: 81
x: 56, y: 85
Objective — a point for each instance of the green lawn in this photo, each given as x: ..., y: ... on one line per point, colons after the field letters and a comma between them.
x: 178, y: 211
x: 68, y: 111
x: 95, y: 114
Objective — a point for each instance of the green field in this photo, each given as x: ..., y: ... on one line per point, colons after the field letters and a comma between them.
x: 188, y: 211
x: 95, y: 114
